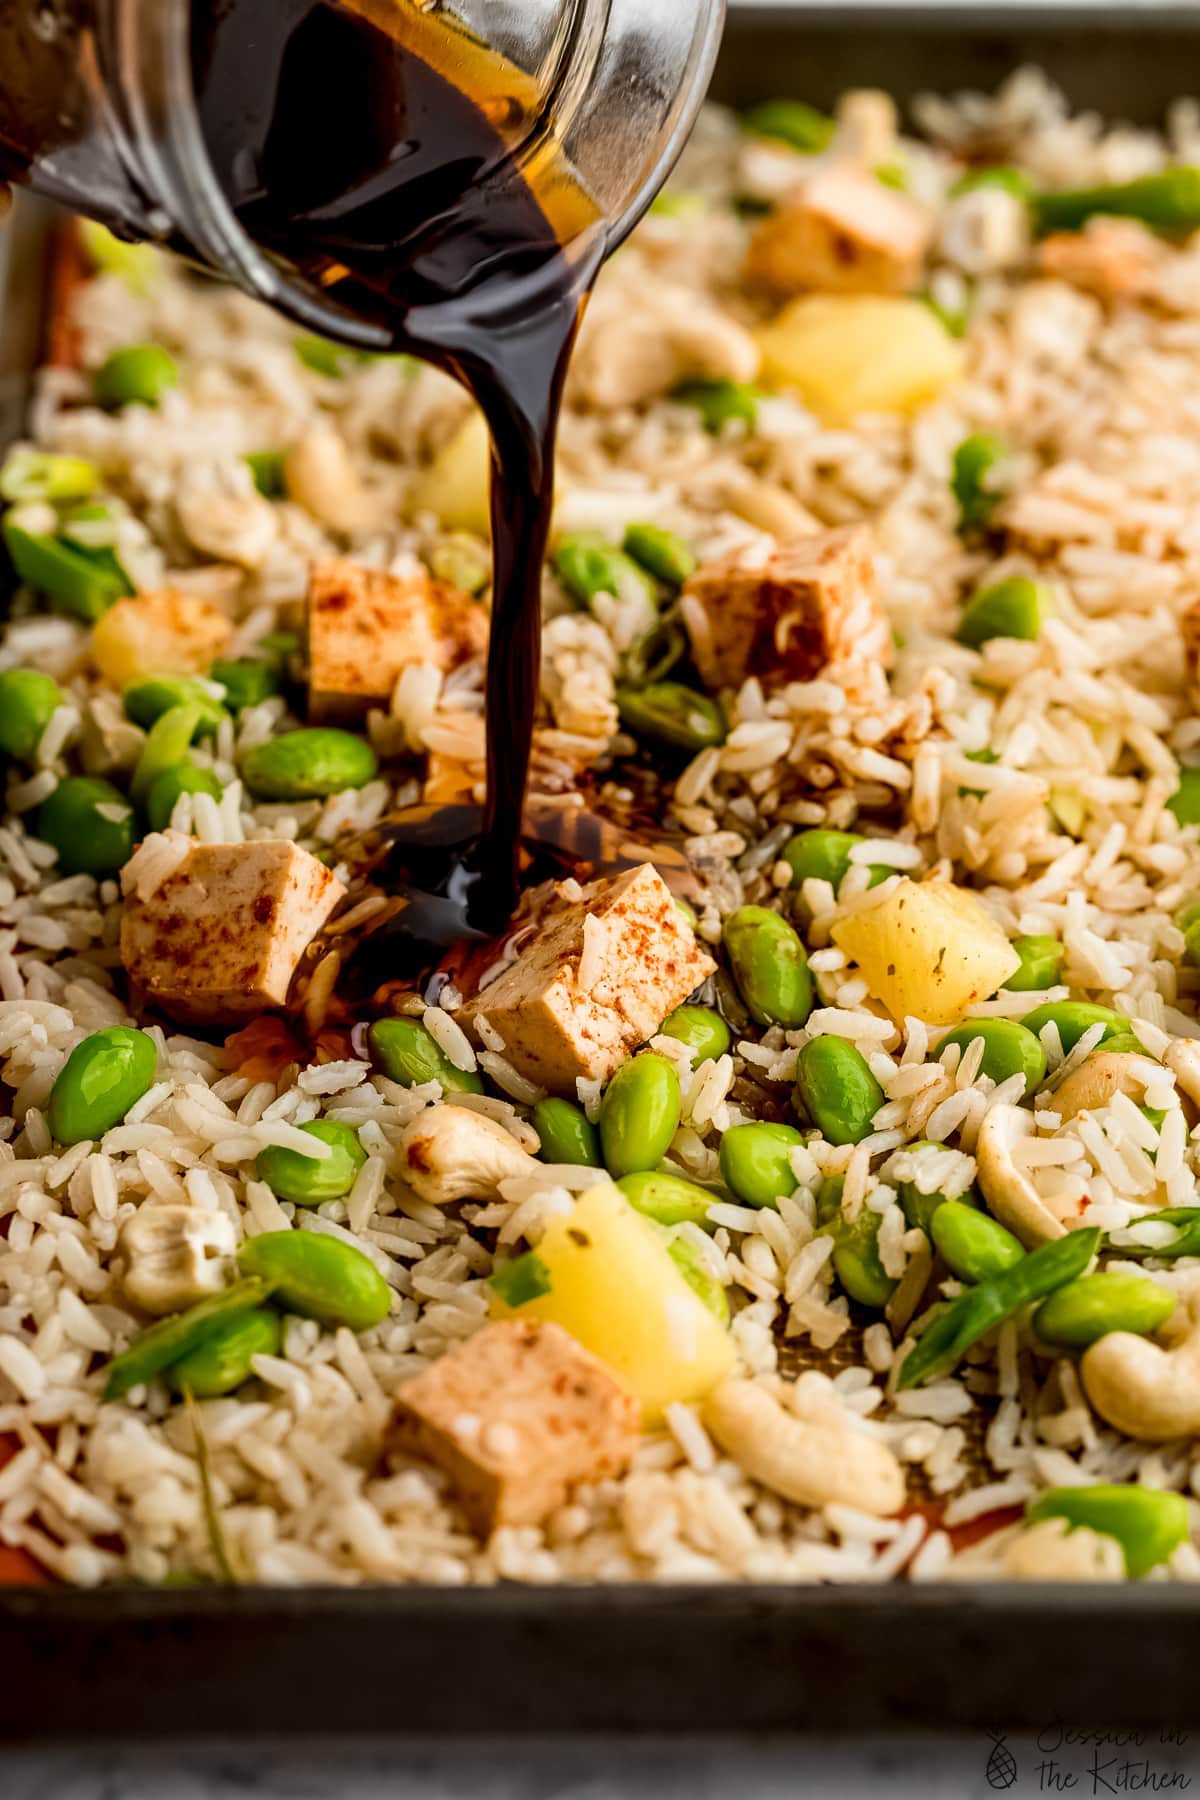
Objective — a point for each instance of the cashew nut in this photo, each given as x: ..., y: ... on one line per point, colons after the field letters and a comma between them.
x: 321, y: 477
x: 1008, y: 1191
x: 817, y: 1460
x: 1182, y: 1057
x: 1147, y: 1390
x: 985, y: 230
x: 626, y: 357
x: 1099, y: 1078
x: 866, y: 128
x: 109, y: 743
x: 451, y: 1153
x: 175, y: 1255
x: 1050, y: 1551
x: 224, y: 515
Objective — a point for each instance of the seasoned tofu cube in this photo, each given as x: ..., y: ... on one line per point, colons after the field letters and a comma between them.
x: 516, y: 1417
x: 167, y: 632
x: 1116, y: 259
x: 841, y: 232
x: 223, y: 933
x: 812, y: 601
x: 365, y: 626
x: 595, y: 980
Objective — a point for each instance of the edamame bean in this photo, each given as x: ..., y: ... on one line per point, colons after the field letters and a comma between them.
x: 147, y: 700
x: 169, y: 1340
x: 974, y: 1245
x: 246, y: 681
x: 1016, y: 608
x: 567, y: 1134
x: 855, y: 1247
x: 309, y: 1180
x: 101, y: 1079
x: 39, y: 475
x: 835, y: 1090
x: 28, y: 701
x: 756, y: 1161
x: 1185, y: 801
x: 1093, y: 1305
x: 920, y: 1203
x: 1074, y: 1017
x: 721, y: 403
x: 319, y: 1276
x: 769, y: 966
x: 223, y: 1361
x: 1148, y: 1523
x: 1041, y: 963
x: 825, y: 856
x: 661, y: 553
x: 1008, y: 1049
x: 689, y: 1260
x: 701, y: 1028
x: 667, y: 1198
x: 140, y: 373
x: 407, y: 1051
x: 669, y: 713
x: 792, y: 122
x: 1168, y: 202
x: 267, y: 469
x: 309, y: 764
x: 184, y: 778
x: 588, y: 566
x: 639, y: 1114
x: 91, y: 825
x: 973, y: 462
x: 136, y: 266
x: 76, y: 582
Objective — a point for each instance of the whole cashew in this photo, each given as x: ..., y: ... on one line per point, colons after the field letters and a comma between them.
x: 1147, y: 1390
x: 1182, y: 1057
x: 1096, y: 1081
x: 816, y: 1460
x: 1008, y: 1191
x: 223, y: 514
x: 321, y: 478
x: 1049, y: 1551
x: 451, y: 1153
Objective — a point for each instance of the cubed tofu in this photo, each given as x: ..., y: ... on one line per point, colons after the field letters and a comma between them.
x: 167, y: 632
x: 1115, y: 259
x: 595, y: 980
x: 223, y: 934
x: 1189, y: 625
x: 841, y: 232
x: 365, y: 626
x: 813, y: 601
x: 517, y: 1416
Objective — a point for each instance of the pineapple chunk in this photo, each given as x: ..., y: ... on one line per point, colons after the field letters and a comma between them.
x: 857, y: 353
x: 930, y: 950
x: 614, y: 1287
x: 457, y: 483
x: 164, y: 633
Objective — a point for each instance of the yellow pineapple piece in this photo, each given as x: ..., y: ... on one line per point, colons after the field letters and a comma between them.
x: 927, y: 949
x: 860, y: 353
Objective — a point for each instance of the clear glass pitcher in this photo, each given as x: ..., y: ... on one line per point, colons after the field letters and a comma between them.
x: 98, y: 111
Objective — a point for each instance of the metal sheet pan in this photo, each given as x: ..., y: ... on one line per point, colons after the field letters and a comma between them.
x: 652, y: 1660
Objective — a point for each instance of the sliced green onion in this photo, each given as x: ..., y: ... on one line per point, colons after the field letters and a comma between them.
x: 40, y: 475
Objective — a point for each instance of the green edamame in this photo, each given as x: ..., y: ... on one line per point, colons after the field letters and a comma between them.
x: 311, y: 1180
x: 973, y: 463
x: 587, y: 566
x: 247, y: 682
x: 1074, y: 1017
x: 669, y: 713
x: 1016, y: 608
x: 319, y: 1276
x: 169, y: 1340
x: 661, y: 553
x: 638, y: 1114
x: 41, y: 475
x: 756, y: 1161
x: 689, y: 1260
x: 769, y: 965
x: 1148, y: 1523
x: 1185, y: 801
x: 835, y: 1090
x: 147, y: 700
x: 407, y: 1051
x: 1093, y: 1305
x: 309, y: 764
x: 701, y: 1028
x: 101, y: 1079
x: 184, y: 778
x: 952, y: 1331
x: 1041, y: 963
x: 721, y: 403
x: 28, y: 701
x: 1168, y: 202
x: 855, y: 1256
x: 1008, y: 1049
x: 792, y: 122
x: 91, y: 825
x: 667, y: 1198
x: 139, y: 373
x: 971, y: 1243
x: 825, y: 856
x: 567, y: 1134
x: 223, y: 1361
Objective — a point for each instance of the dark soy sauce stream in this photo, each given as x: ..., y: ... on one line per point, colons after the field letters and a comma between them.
x: 390, y: 184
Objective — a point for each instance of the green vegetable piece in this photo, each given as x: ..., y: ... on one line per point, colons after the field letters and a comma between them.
x: 701, y: 1028
x: 1185, y: 801
x: 835, y: 1089
x: 792, y: 122
x: 1093, y: 1305
x: 407, y: 1052
x: 266, y: 467
x: 308, y: 1180
x: 40, y: 475
x: 462, y: 562
x: 567, y: 1134
x: 588, y: 566
x: 1041, y: 963
x: 101, y: 1079
x: 1148, y: 1523
x: 985, y: 755
x: 184, y: 778
x: 223, y: 1360
x: 324, y: 357
x: 278, y: 647
x: 1191, y: 944
x: 918, y: 1205
x: 1016, y: 608
x: 954, y: 320
x: 166, y: 746
x: 1168, y: 202
x: 689, y: 1260
x: 769, y: 965
x: 1074, y: 1017
x: 721, y: 403
x: 661, y: 553
x: 892, y: 175
x: 671, y: 204
x: 672, y: 714
x: 639, y: 1114
x: 1186, y: 1220
x: 523, y: 1279
x: 28, y: 701
x: 91, y: 825
x: 974, y: 1245
x: 136, y: 266
x: 667, y: 1198
x: 950, y: 1334
x: 1007, y: 179
x: 147, y: 700
x: 687, y: 913
x: 319, y: 1276
x: 309, y: 764
x: 651, y: 657
x: 855, y: 1247
x: 169, y: 1340
x: 76, y: 582
x: 756, y: 1161
x: 1008, y: 1049
x: 825, y: 856
x: 246, y: 681
x: 973, y: 462
x: 139, y: 374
